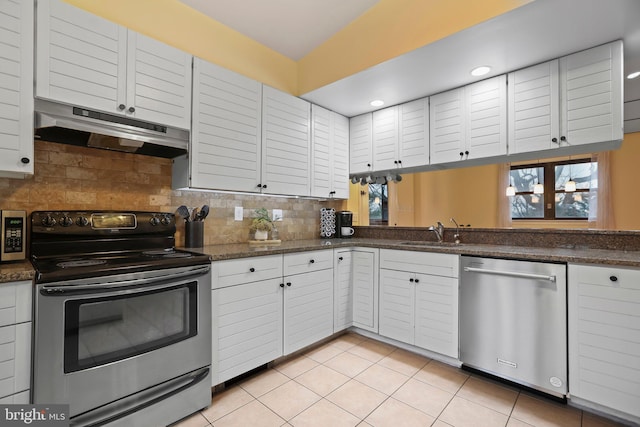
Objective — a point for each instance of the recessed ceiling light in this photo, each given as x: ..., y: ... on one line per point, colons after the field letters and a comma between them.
x: 480, y: 71
x: 377, y: 103
x: 633, y: 75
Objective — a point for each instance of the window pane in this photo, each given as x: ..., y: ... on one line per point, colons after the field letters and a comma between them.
x: 527, y: 206
x: 573, y: 205
x: 525, y: 179
x: 585, y: 175
x: 378, y: 203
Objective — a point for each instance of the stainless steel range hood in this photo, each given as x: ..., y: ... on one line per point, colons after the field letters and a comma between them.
x: 56, y: 122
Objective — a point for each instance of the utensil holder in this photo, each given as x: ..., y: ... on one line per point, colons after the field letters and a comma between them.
x: 194, y: 234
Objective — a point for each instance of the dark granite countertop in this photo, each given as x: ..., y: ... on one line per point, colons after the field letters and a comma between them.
x: 16, y: 271
x: 572, y: 255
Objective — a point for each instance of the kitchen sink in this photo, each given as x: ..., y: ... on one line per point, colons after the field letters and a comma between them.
x: 433, y: 244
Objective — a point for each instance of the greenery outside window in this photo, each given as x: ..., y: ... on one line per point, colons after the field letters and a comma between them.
x: 378, y: 204
x: 555, y: 203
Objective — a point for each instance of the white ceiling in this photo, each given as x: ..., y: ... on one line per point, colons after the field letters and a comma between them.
x: 291, y: 27
x: 536, y: 32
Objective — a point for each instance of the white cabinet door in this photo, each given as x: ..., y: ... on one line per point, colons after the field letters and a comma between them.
x: 361, y: 143
x: 591, y: 96
x: 447, y: 126
x: 397, y: 306
x: 88, y: 61
x: 413, y: 143
x: 436, y: 322
x: 285, y: 143
x: 321, y: 156
x: 15, y: 358
x: 342, y: 290
x: 80, y: 57
x: 385, y: 138
x: 15, y: 302
x: 158, y: 82
x: 534, y: 108
x: 340, y: 156
x: 308, y: 309
x: 604, y: 336
x: 16, y: 88
x: 486, y: 118
x: 247, y: 327
x: 365, y: 288
x: 226, y: 131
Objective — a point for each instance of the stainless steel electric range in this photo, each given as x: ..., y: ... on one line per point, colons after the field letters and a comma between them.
x: 122, y: 318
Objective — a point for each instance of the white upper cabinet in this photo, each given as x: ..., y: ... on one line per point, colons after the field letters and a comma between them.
x: 568, y: 102
x: 286, y: 143
x: 469, y: 122
x: 85, y: 60
x: 385, y: 138
x: 413, y: 139
x: 16, y: 88
x: 329, y: 154
x: 226, y: 131
x: 361, y: 143
x: 448, y: 131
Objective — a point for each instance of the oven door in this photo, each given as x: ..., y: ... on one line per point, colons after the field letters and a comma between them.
x: 101, y: 340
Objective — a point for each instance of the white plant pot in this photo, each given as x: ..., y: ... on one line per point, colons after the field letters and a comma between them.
x: 261, y: 235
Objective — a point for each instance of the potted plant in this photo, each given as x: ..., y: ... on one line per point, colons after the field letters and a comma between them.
x: 261, y: 224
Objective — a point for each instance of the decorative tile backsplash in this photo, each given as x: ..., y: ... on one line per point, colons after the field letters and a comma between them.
x: 78, y: 178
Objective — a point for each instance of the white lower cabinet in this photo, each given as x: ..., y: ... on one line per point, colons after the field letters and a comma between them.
x: 365, y: 288
x: 419, y: 299
x: 342, y: 289
x: 15, y: 341
x: 604, y: 336
x: 308, y: 298
x: 259, y: 312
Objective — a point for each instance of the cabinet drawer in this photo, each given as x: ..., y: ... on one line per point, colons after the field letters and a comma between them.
x: 15, y: 358
x: 15, y: 302
x: 304, y: 262
x: 420, y: 262
x: 246, y: 270
x: 608, y: 276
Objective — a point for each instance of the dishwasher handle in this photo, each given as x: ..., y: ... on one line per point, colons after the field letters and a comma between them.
x: 511, y: 274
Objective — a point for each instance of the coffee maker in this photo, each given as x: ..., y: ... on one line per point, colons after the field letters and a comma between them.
x: 344, y: 219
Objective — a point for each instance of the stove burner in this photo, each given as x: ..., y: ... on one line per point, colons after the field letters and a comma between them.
x: 168, y: 253
x: 81, y: 263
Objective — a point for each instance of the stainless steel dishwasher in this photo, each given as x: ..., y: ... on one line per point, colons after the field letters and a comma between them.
x: 513, y: 321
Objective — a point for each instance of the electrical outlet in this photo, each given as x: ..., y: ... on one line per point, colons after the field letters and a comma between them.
x: 277, y: 215
x: 239, y: 213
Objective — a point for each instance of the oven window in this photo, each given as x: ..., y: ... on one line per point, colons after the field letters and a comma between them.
x: 105, y: 329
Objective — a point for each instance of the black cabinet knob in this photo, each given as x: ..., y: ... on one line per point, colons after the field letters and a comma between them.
x: 400, y: 162
x: 554, y: 140
x: 288, y: 283
x: 613, y: 278
x: 282, y: 285
x: 340, y: 258
x: 264, y: 186
x: 259, y: 185
x: 466, y: 152
x: 395, y: 162
x: 461, y: 154
x: 368, y: 165
x: 411, y: 280
x: 25, y: 160
x: 252, y: 269
x: 312, y: 261
x: 417, y: 280
x: 132, y: 109
x: 563, y: 138
x: 121, y: 107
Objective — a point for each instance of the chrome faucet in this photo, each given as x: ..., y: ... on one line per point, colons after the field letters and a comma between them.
x: 439, y: 230
x: 456, y: 237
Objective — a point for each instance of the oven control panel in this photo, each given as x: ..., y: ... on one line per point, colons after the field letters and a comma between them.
x: 102, y: 222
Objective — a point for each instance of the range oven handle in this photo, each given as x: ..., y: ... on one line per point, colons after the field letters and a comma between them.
x: 122, y: 285
x: 511, y: 274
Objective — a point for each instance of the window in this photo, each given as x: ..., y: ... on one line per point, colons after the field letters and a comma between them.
x: 554, y: 203
x: 378, y: 204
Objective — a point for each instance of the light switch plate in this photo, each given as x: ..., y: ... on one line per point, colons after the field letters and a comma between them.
x: 277, y: 215
x: 239, y: 212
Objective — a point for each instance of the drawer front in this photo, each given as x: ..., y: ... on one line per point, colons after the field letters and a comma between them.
x: 305, y: 262
x: 15, y: 358
x: 21, y: 398
x: 420, y: 262
x: 15, y: 302
x: 246, y: 270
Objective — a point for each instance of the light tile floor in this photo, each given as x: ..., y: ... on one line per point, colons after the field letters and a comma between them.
x: 355, y: 381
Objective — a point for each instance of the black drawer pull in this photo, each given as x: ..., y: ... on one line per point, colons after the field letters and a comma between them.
x: 312, y: 261
x: 288, y: 283
x: 613, y: 278
x: 252, y: 269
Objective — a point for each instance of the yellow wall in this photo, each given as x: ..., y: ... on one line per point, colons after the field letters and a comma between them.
x: 178, y: 25
x: 392, y: 28
x: 624, y: 183
x: 389, y: 29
